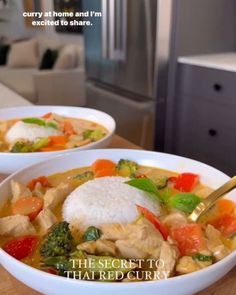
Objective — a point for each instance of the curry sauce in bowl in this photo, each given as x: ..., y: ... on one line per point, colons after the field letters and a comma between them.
x: 48, y: 133
x: 34, y: 133
x: 103, y: 216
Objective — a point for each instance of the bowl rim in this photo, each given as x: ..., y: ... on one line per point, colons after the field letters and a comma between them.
x: 203, y: 272
x: 86, y: 146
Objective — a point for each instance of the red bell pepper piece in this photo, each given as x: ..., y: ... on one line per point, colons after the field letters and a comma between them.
x: 226, y: 224
x: 47, y: 115
x: 21, y: 247
x: 185, y: 182
x: 42, y: 179
x: 154, y: 220
x: 189, y: 238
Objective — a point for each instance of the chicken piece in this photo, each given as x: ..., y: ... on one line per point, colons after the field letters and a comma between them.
x: 145, y: 236
x: 134, y: 240
x: 128, y: 249
x: 16, y: 225
x: 89, y: 247
x: 168, y: 258
x: 174, y: 219
x: 19, y: 191
x: 214, y: 243
x: 38, y: 190
x: 99, y: 247
x: 114, y: 232
x: 45, y: 220
x: 56, y: 195
x: 186, y: 265
x: 105, y: 247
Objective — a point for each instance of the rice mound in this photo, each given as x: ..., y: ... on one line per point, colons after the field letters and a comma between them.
x: 105, y: 200
x: 30, y: 132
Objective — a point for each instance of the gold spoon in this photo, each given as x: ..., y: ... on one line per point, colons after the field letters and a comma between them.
x: 207, y: 203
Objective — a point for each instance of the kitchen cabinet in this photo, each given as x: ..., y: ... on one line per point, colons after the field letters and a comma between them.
x: 206, y: 110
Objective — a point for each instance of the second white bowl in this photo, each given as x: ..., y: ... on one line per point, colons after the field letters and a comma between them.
x: 10, y: 162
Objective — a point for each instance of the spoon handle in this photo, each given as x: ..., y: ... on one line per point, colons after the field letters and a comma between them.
x: 207, y: 203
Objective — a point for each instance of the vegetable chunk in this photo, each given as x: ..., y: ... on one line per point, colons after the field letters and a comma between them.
x: 189, y: 238
x: 16, y: 225
x: 58, y: 241
x: 21, y: 247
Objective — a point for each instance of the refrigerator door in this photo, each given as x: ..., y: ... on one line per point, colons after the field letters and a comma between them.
x: 134, y: 119
x: 120, y: 46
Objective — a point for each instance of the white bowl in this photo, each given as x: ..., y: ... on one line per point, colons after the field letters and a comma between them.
x: 10, y: 162
x: 181, y: 285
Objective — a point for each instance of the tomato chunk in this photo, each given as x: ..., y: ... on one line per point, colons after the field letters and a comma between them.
x: 226, y: 224
x: 47, y: 115
x: 41, y: 179
x: 154, y: 220
x: 189, y: 238
x: 29, y: 206
x: 185, y: 182
x: 21, y: 247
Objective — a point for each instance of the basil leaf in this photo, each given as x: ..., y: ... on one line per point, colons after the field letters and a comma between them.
x: 146, y: 185
x: 185, y: 202
x: 39, y: 122
x: 51, y: 125
x: 36, y: 121
x: 92, y: 234
x: 202, y: 257
x: 21, y: 147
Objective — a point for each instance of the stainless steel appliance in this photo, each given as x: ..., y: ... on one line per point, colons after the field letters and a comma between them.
x: 126, y: 69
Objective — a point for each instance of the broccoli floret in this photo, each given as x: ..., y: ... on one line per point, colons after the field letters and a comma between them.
x: 161, y: 182
x: 29, y: 147
x: 21, y: 147
x: 87, y: 175
x: 60, y: 263
x: 93, y: 135
x: 126, y: 168
x: 64, y: 264
x: 58, y: 241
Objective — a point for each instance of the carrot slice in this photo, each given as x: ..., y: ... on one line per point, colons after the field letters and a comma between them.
x: 47, y: 115
x: 42, y: 179
x: 28, y: 206
x: 105, y: 172
x: 57, y: 140
x: 102, y: 164
x: 225, y: 206
x: 68, y: 128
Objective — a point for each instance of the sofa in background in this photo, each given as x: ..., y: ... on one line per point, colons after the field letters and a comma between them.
x: 64, y: 84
